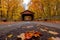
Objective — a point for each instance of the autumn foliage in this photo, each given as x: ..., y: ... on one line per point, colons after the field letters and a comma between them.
x: 43, y: 9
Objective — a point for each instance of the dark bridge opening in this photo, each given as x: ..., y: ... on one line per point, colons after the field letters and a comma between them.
x: 27, y: 16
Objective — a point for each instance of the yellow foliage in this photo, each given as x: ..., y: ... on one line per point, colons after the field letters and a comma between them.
x: 41, y: 8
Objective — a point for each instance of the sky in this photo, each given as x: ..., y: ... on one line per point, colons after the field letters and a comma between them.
x: 25, y: 4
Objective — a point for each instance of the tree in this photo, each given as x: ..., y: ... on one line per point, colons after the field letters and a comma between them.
x: 37, y: 7
x: 11, y: 9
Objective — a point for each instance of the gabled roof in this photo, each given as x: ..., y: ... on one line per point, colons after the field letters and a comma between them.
x: 27, y: 12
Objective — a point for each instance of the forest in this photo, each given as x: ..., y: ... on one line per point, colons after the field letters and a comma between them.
x: 44, y: 9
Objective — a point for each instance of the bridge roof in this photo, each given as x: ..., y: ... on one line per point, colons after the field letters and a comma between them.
x: 27, y: 12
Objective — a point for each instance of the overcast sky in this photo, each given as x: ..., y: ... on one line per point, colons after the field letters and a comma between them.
x: 25, y: 3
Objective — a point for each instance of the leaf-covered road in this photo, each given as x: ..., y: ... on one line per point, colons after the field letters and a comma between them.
x: 22, y: 27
